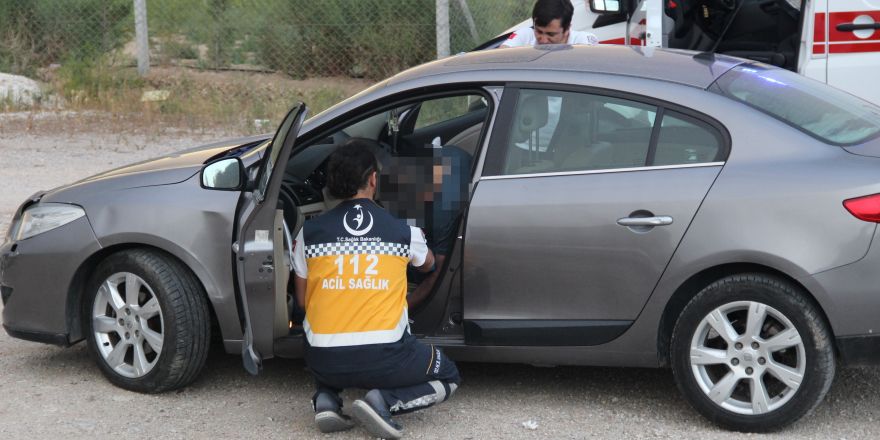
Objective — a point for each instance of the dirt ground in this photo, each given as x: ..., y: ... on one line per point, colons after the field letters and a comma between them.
x: 51, y: 392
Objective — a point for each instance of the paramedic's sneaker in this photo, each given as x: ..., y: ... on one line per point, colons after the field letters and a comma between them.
x: 329, y: 417
x: 332, y: 421
x: 372, y: 413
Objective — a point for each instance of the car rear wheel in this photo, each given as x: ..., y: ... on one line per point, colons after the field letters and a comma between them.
x: 148, y: 321
x: 751, y: 353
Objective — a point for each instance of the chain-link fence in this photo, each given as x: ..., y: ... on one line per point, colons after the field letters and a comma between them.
x: 302, y: 38
x: 36, y: 33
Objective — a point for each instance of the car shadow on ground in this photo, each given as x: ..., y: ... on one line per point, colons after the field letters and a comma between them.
x: 501, y: 395
x: 634, y: 394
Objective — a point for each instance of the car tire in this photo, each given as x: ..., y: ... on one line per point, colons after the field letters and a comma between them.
x: 752, y: 353
x: 147, y: 320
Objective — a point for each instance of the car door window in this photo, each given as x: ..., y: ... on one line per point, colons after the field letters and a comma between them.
x: 427, y: 176
x: 685, y: 140
x: 440, y: 110
x: 423, y: 173
x: 555, y: 131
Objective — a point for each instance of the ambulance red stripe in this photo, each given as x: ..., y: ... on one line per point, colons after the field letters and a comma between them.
x: 819, y: 29
x: 838, y: 18
x: 843, y: 41
x: 632, y: 41
x: 873, y: 46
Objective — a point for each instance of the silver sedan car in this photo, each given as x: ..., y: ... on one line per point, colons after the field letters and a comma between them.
x: 604, y: 206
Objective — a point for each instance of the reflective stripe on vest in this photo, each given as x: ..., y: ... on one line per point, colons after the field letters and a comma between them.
x: 357, y: 338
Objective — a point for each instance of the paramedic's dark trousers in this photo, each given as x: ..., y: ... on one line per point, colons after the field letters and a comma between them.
x: 417, y: 378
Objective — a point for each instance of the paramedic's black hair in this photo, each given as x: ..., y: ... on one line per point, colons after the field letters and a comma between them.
x: 349, y: 168
x: 546, y: 11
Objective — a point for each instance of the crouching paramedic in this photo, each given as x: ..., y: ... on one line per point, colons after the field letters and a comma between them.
x: 350, y: 266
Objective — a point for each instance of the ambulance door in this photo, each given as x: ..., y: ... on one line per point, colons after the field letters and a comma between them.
x: 854, y: 47
x: 647, y: 24
x: 813, y: 56
x: 609, y: 28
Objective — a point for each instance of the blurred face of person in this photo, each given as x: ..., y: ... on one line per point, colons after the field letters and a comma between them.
x: 553, y: 33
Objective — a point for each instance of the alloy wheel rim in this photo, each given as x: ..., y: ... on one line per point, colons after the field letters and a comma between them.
x: 747, y: 357
x: 127, y: 324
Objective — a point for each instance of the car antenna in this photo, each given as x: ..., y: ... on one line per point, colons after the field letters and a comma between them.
x: 705, y: 56
x: 727, y: 25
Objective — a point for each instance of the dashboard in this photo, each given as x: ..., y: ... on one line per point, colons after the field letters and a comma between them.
x: 306, y: 176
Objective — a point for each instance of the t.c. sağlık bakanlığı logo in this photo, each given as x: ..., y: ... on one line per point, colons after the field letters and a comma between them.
x: 359, y: 228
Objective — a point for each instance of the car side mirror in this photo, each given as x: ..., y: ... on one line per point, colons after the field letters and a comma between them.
x: 226, y: 174
x: 607, y: 6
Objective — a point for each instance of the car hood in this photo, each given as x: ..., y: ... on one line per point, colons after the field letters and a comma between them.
x: 180, y: 165
x: 164, y: 170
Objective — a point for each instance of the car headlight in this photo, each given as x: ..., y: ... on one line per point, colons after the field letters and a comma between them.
x: 43, y: 217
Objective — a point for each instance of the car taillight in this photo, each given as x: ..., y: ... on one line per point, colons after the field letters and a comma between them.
x: 865, y: 208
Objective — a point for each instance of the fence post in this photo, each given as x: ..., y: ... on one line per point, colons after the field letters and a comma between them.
x: 472, y: 27
x: 442, y: 29
x: 141, y: 37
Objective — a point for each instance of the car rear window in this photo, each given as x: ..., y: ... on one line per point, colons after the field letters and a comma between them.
x: 817, y: 109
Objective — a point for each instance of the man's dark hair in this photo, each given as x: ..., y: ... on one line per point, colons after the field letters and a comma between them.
x: 349, y: 168
x: 546, y: 11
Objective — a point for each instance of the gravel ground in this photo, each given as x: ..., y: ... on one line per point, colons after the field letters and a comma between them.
x: 50, y: 392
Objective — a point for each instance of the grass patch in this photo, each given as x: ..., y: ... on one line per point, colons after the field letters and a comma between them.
x: 238, y: 102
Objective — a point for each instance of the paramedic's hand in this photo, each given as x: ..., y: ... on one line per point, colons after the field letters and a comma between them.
x: 421, y: 292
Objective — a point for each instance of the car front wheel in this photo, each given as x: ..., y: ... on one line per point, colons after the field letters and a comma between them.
x: 148, y: 321
x: 751, y: 353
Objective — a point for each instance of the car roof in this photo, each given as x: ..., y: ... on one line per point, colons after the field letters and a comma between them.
x: 672, y: 65
x: 688, y: 68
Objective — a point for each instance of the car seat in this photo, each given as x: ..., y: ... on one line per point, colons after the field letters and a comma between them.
x: 532, y: 114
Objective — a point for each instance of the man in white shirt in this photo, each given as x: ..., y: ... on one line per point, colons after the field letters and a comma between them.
x: 551, y: 24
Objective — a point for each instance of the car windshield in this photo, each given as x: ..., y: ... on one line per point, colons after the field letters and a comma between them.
x: 824, y: 112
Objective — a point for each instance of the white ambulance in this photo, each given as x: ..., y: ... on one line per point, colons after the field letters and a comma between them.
x: 833, y: 41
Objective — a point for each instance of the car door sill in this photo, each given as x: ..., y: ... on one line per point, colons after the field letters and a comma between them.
x: 290, y: 346
x: 443, y: 341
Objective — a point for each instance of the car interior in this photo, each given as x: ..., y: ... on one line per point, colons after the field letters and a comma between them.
x: 407, y: 140
x: 768, y: 31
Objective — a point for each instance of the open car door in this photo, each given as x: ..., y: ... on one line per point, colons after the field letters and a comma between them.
x: 262, y: 248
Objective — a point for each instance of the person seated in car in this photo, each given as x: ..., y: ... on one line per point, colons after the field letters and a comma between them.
x: 551, y: 24
x: 450, y: 195
x: 430, y: 192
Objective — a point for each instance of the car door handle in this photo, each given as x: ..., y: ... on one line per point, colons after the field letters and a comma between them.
x: 848, y: 27
x: 661, y: 220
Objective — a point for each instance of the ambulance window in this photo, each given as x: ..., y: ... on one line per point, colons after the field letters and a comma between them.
x: 828, y: 114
